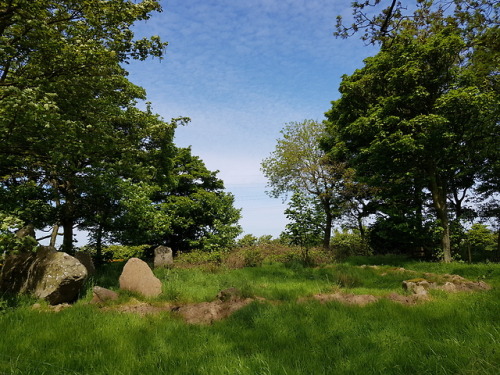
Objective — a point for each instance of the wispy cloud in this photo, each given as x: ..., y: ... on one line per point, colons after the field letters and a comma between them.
x: 241, y: 70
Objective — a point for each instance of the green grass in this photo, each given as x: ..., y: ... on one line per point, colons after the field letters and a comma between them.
x: 453, y: 334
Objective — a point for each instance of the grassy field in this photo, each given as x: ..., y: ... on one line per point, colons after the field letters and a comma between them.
x: 451, y: 334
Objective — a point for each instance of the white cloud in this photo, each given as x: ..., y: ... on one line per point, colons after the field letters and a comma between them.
x: 241, y: 70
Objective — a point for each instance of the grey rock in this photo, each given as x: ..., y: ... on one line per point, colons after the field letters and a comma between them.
x: 54, y: 276
x: 163, y: 257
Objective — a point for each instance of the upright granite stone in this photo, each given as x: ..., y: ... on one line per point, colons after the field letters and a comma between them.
x: 163, y: 257
x: 54, y: 276
x: 86, y: 260
x: 138, y: 277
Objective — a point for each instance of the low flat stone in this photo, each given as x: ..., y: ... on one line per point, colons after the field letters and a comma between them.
x: 101, y: 295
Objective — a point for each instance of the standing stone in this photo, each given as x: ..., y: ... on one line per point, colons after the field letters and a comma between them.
x: 163, y: 257
x: 138, y: 277
x: 54, y: 276
x: 86, y: 260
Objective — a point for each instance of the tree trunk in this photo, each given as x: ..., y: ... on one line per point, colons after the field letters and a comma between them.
x: 438, y: 193
x: 328, y: 228
x: 361, y: 228
x: 98, y: 244
x: 53, y: 235
x: 67, y: 245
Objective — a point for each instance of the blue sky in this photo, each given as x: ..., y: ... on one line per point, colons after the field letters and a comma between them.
x: 241, y: 70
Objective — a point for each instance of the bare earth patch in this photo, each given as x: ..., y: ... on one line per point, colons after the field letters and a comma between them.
x: 208, y: 312
x: 350, y: 299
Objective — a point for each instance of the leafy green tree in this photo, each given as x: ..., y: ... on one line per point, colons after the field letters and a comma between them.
x: 416, y: 116
x: 188, y: 210
x: 305, y: 222
x: 480, y: 243
x: 67, y: 116
x: 299, y: 164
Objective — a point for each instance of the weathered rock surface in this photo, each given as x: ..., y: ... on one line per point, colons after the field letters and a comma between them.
x: 101, y: 295
x: 449, y: 283
x: 163, y: 257
x: 87, y: 261
x: 417, y: 286
x: 138, y: 277
x: 54, y: 276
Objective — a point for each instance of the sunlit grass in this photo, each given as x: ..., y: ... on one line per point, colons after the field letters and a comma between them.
x: 452, y: 334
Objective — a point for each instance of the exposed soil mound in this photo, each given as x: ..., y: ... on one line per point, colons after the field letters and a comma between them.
x: 208, y: 312
x: 228, y: 301
x: 351, y: 299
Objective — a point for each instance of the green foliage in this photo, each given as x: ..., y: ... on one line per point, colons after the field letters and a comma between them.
x: 9, y: 242
x: 247, y: 240
x: 348, y: 243
x: 480, y: 244
x: 419, y: 119
x: 298, y: 164
x: 184, y: 207
x: 253, y: 258
x: 119, y: 252
x: 305, y: 221
x: 68, y: 119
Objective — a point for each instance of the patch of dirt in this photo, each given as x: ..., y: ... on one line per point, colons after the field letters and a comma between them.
x: 351, y: 299
x: 228, y: 301
x: 407, y: 300
x: 208, y: 312
x: 142, y: 308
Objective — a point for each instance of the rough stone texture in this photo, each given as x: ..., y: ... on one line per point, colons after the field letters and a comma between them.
x: 163, y: 257
x: 138, y: 277
x: 54, y: 276
x: 101, y: 295
x: 452, y: 284
x: 87, y: 261
x: 417, y: 286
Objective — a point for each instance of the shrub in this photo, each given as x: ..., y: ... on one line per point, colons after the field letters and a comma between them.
x: 345, y: 244
x: 253, y: 257
x: 119, y: 252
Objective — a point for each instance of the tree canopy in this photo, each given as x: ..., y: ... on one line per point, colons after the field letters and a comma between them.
x: 420, y: 120
x: 299, y: 164
x: 74, y: 143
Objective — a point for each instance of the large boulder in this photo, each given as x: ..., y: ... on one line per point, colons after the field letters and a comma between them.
x: 163, y: 257
x: 54, y: 276
x: 86, y: 260
x: 138, y: 277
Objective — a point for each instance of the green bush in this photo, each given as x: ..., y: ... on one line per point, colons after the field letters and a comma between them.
x: 9, y: 242
x: 253, y: 257
x: 119, y: 252
x: 346, y: 243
